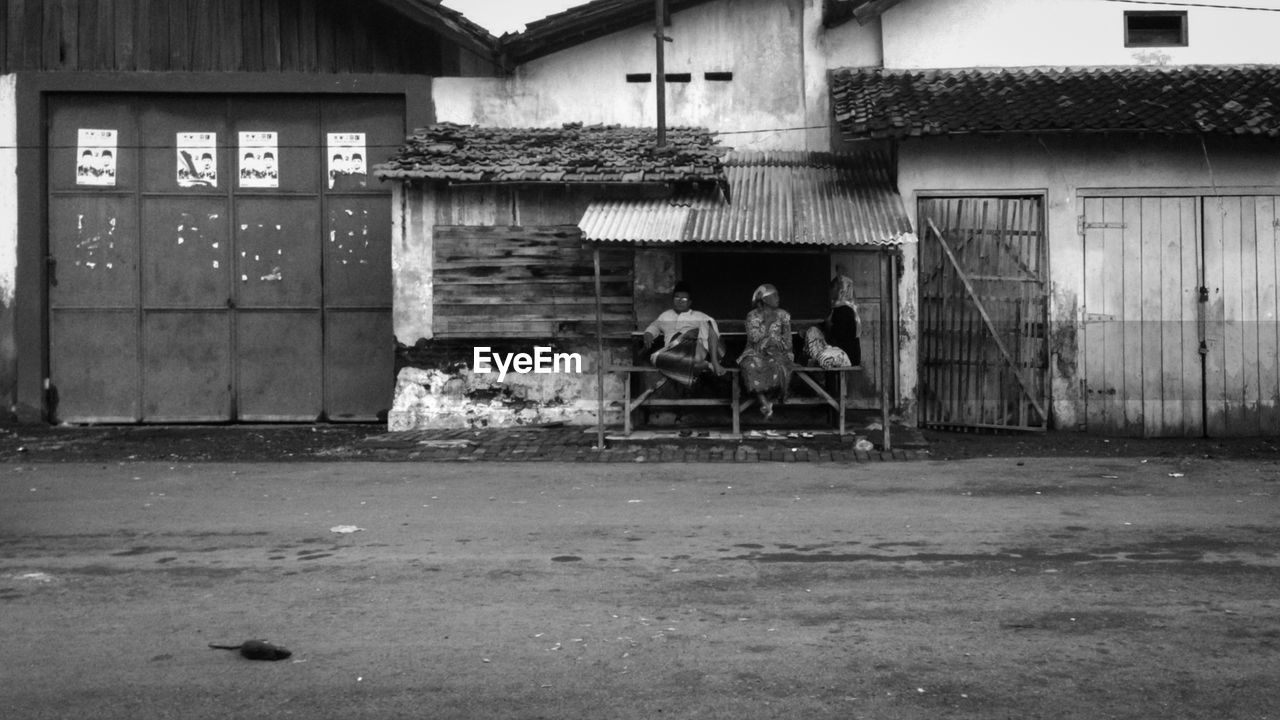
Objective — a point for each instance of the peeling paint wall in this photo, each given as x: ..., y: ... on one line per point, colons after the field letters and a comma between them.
x: 8, y: 234
x: 777, y: 50
x: 1061, y: 167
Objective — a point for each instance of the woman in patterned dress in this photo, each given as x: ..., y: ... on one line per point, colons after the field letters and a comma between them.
x: 766, y: 362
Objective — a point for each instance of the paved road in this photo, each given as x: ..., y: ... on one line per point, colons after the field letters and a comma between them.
x: 1001, y: 588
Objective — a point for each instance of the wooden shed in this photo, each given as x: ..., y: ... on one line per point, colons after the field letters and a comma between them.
x: 498, y: 230
x: 198, y: 234
x: 488, y: 254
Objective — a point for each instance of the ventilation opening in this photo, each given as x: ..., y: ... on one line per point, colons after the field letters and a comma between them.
x: 639, y: 77
x: 1144, y: 28
x: 718, y: 76
x: 678, y: 77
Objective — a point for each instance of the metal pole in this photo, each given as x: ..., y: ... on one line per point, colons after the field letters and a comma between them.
x: 660, y: 77
x: 599, y: 356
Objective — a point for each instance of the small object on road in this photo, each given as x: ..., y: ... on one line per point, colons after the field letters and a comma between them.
x: 345, y: 529
x: 1176, y: 475
x: 256, y: 650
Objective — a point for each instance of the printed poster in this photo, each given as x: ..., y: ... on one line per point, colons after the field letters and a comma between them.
x: 259, y: 154
x: 346, y: 158
x: 197, y: 159
x: 96, y: 157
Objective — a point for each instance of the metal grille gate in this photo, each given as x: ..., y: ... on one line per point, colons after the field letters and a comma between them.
x: 984, y: 358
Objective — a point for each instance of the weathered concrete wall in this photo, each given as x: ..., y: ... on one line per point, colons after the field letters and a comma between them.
x: 1013, y: 33
x: 777, y: 50
x: 1061, y: 167
x: 8, y: 235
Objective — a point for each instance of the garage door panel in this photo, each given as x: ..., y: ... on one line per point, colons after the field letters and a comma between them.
x: 357, y: 252
x: 277, y: 253
x: 94, y: 365
x: 68, y: 116
x: 184, y: 145
x: 378, y: 119
x: 94, y: 243
x: 186, y: 367
x: 359, y: 361
x: 296, y: 125
x: 279, y: 360
x: 186, y: 259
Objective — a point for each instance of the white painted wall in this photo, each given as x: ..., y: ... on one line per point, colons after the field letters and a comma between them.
x: 777, y: 50
x: 1063, y: 166
x: 8, y: 188
x: 1020, y: 33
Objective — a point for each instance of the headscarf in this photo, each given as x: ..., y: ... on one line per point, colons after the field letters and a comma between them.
x: 843, y: 285
x: 762, y: 292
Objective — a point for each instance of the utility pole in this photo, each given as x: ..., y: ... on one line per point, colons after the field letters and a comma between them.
x: 660, y: 77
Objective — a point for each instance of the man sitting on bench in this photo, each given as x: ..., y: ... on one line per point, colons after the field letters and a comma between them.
x: 690, y: 340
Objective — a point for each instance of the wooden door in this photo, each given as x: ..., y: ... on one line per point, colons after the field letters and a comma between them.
x: 1241, y: 340
x: 1140, y: 337
x: 983, y: 313
x: 1180, y: 333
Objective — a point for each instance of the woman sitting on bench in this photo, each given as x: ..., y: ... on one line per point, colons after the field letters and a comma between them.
x: 766, y: 363
x: 688, y: 338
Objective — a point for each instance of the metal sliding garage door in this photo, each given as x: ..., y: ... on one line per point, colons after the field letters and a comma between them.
x: 1180, y: 332
x: 219, y: 258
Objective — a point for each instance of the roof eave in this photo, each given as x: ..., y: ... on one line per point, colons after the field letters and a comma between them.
x: 430, y: 17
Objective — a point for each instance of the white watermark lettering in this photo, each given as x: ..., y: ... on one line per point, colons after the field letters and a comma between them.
x: 542, y: 362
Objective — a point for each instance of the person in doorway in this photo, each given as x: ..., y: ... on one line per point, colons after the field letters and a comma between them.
x: 767, y: 360
x: 837, y: 343
x: 844, y: 324
x: 690, y: 340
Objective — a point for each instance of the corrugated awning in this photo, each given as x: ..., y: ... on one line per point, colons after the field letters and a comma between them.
x: 786, y: 198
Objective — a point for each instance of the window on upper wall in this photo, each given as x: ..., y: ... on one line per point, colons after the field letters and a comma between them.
x: 1155, y: 28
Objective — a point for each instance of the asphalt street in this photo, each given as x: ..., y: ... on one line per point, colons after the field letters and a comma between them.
x: 1067, y: 587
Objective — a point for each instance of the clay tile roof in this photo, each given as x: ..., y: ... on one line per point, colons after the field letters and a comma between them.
x: 574, y: 153
x: 1217, y: 100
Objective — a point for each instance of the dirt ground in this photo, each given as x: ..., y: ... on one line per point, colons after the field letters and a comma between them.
x: 991, y: 589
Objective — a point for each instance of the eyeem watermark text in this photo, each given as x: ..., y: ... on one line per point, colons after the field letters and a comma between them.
x: 541, y: 362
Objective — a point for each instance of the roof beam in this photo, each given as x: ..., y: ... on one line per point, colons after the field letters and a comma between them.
x: 869, y: 11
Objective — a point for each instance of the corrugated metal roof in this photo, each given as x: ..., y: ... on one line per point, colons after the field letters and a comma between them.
x: 787, y: 198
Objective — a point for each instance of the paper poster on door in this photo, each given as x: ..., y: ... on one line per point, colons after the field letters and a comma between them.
x: 96, y: 157
x: 197, y: 159
x: 259, y: 154
x: 346, y: 159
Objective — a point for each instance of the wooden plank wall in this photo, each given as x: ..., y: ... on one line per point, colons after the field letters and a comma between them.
x: 315, y: 36
x: 535, y: 282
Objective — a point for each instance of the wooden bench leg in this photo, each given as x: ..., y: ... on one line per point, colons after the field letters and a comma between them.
x: 737, y: 425
x: 842, y: 401
x: 626, y: 405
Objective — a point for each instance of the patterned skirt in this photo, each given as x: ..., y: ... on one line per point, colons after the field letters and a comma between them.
x: 679, y: 361
x: 765, y: 371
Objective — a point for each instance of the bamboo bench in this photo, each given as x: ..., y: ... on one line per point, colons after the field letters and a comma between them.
x: 735, y: 403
